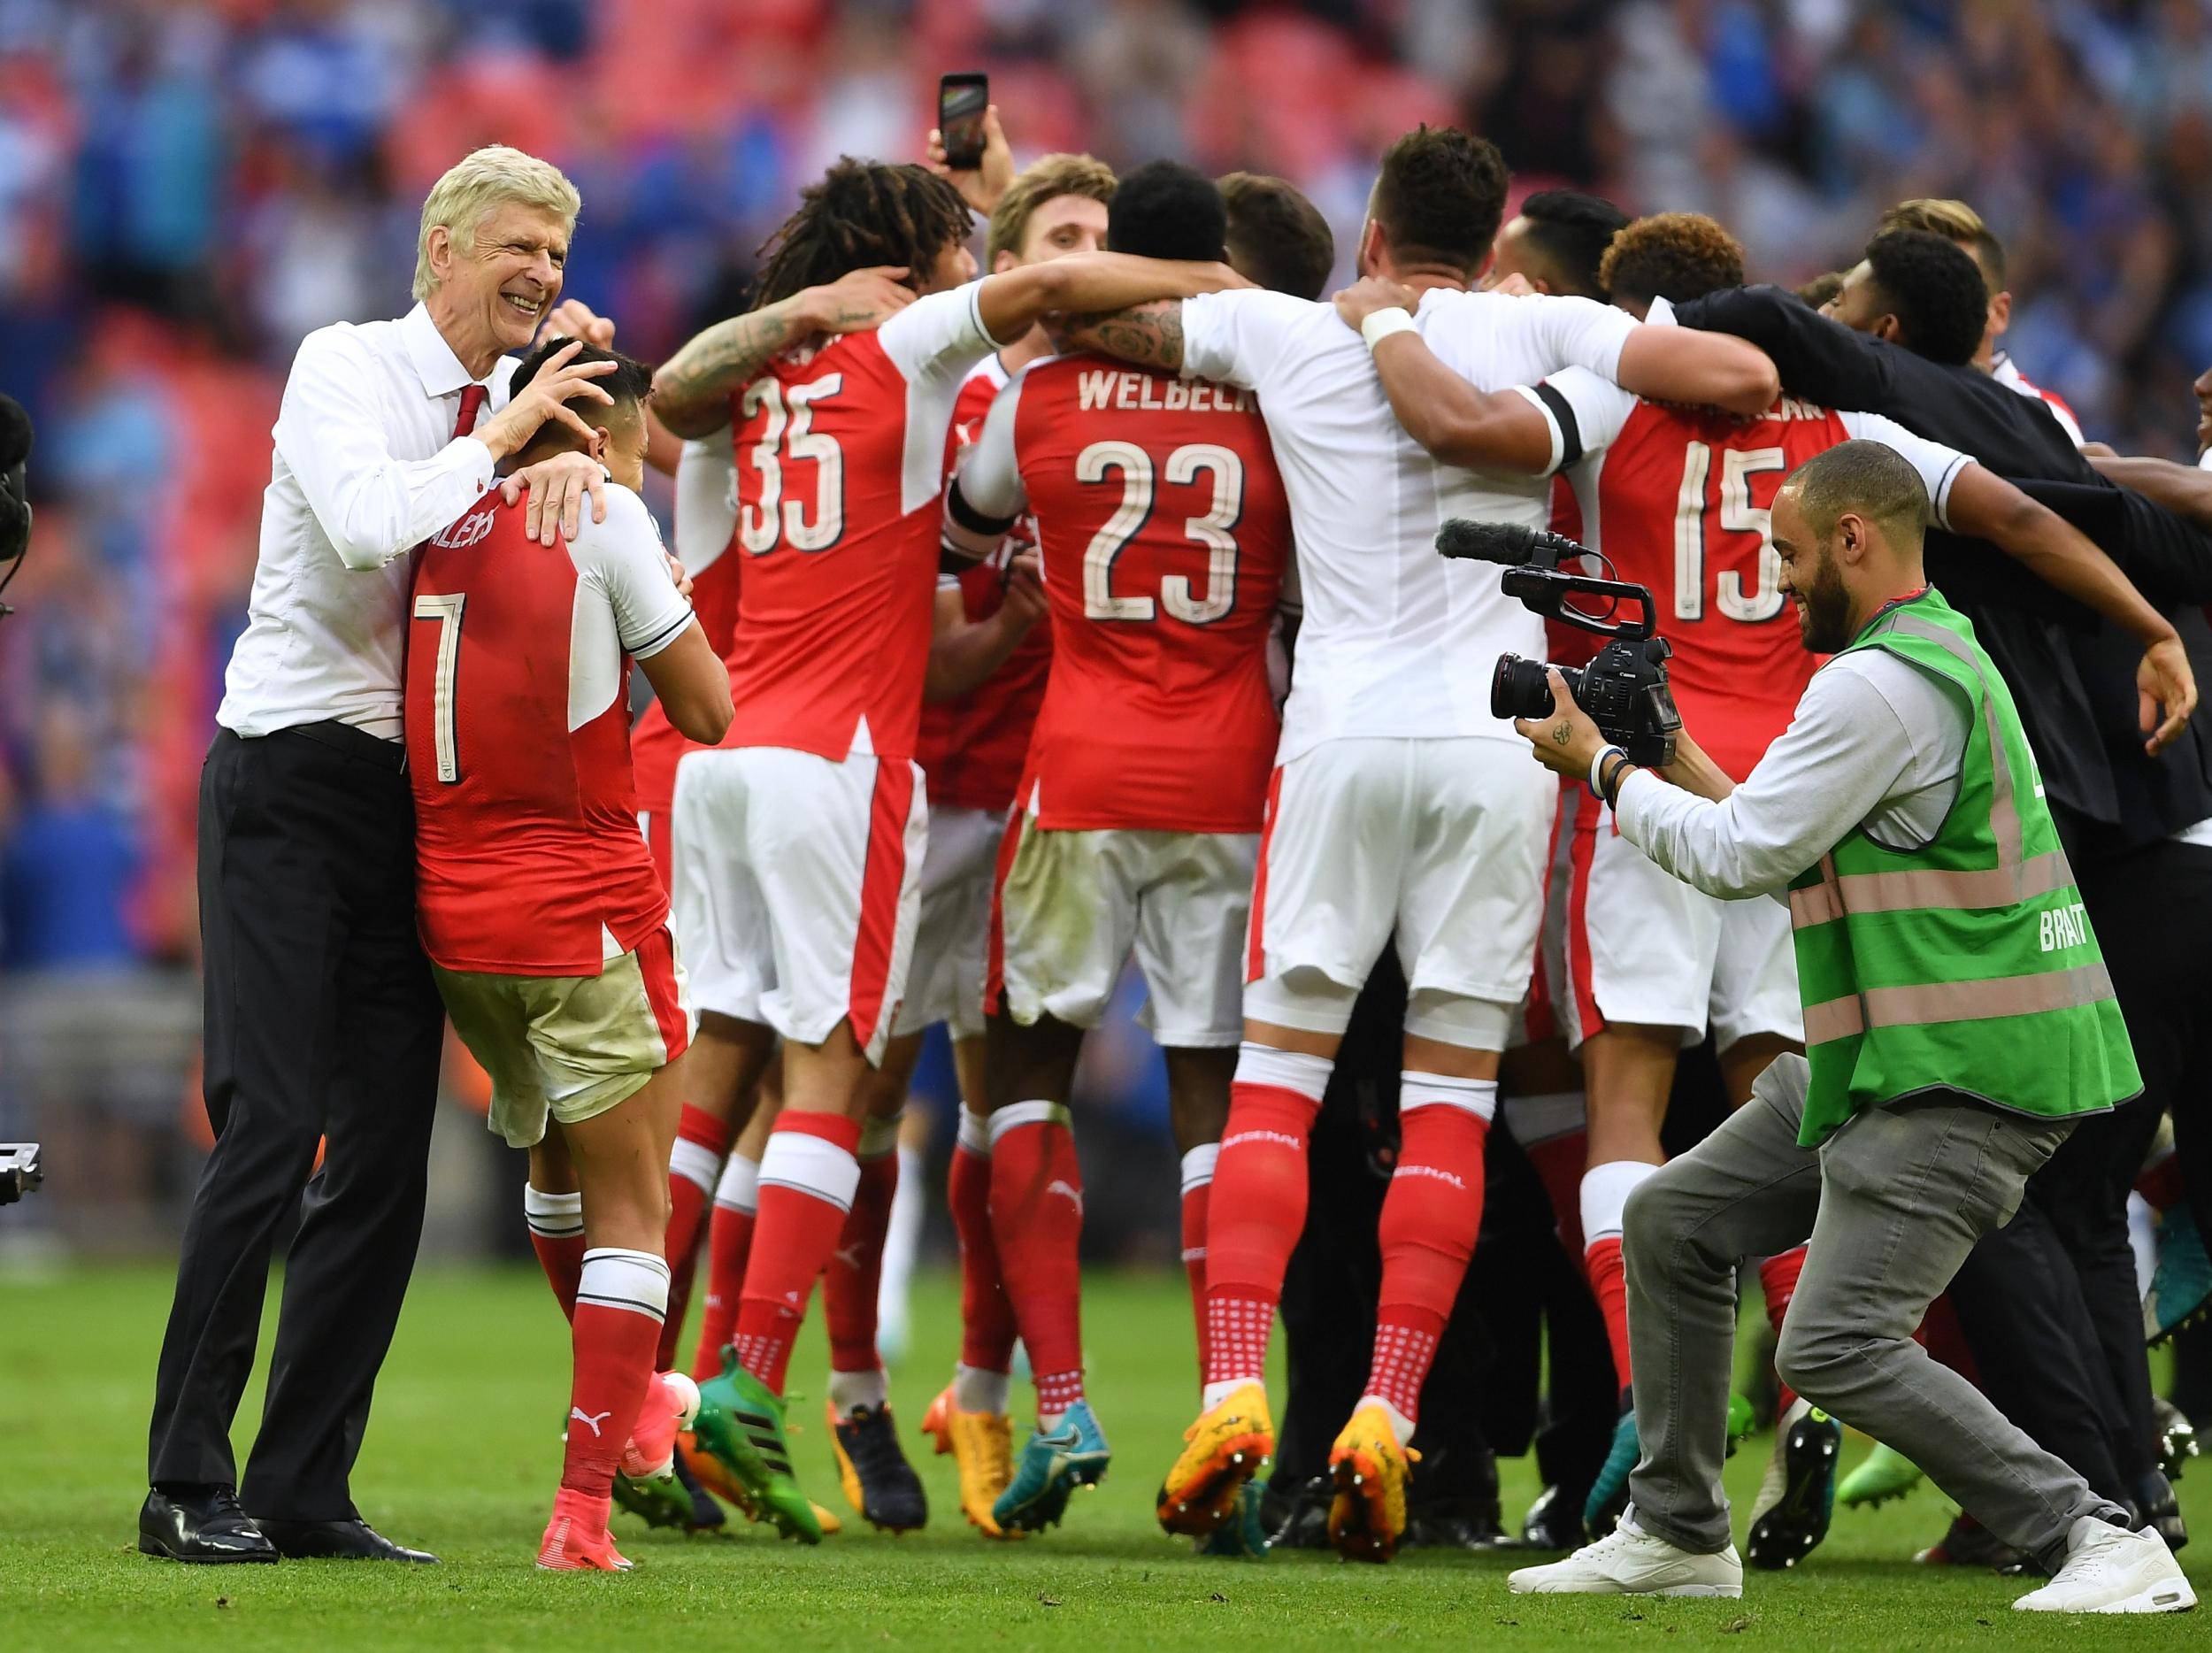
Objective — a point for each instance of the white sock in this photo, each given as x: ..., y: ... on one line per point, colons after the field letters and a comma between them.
x: 739, y: 1189
x: 848, y: 1389
x: 1214, y: 1394
x: 976, y: 1390
x: 901, y: 1242
x: 553, y: 1216
x: 614, y: 1277
x: 1605, y: 1191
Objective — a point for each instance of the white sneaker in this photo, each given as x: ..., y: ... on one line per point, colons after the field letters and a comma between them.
x: 2110, y: 1570
x: 1630, y: 1563
x: 1776, y: 1481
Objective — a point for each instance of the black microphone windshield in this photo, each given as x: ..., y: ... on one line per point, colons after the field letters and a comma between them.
x: 1511, y: 543
x: 15, y: 433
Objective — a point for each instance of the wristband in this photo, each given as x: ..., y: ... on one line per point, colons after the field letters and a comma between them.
x: 1382, y: 323
x: 1597, y: 766
x: 1612, y: 780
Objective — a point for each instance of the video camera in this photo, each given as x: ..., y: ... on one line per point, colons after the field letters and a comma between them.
x: 1625, y: 689
x: 20, y: 1172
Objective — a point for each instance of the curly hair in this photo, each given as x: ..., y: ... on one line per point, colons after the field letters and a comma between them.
x: 1933, y: 289
x: 1674, y: 256
x: 1572, y: 230
x: 862, y: 213
x: 1955, y: 222
x: 1048, y: 178
x: 1441, y: 195
x: 1277, y: 237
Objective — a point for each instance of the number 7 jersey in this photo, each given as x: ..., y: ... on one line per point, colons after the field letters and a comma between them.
x: 1165, y: 535
x: 840, y: 451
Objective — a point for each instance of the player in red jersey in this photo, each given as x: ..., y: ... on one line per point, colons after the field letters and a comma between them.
x: 971, y: 749
x: 1677, y: 501
x: 798, y: 849
x: 1165, y: 536
x: 544, y: 919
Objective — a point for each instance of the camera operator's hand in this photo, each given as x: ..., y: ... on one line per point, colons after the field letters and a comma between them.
x: 1371, y: 294
x: 1567, y: 741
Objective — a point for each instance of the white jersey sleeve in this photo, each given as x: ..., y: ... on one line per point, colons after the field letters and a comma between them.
x: 706, y: 499
x: 933, y: 342
x: 1586, y: 413
x: 1938, y: 465
x: 986, y: 493
x: 622, y: 559
x: 1236, y: 337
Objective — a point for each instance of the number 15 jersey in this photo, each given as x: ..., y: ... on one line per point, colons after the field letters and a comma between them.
x: 841, y: 453
x: 1165, y: 535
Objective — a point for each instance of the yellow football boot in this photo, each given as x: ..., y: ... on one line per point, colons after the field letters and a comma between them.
x: 1228, y: 1445
x: 1367, y: 1517
x: 982, y: 1448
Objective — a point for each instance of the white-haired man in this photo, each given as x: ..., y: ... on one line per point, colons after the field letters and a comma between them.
x: 322, y: 1023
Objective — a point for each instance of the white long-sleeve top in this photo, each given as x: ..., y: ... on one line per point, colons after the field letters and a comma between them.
x: 1874, y: 740
x: 366, y: 467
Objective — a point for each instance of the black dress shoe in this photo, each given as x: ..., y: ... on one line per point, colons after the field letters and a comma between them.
x: 343, y: 1541
x: 202, y: 1524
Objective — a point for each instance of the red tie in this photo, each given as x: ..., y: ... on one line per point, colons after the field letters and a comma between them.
x: 472, y: 404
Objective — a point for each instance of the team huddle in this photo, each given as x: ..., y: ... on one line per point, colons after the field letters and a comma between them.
x: 1080, y: 608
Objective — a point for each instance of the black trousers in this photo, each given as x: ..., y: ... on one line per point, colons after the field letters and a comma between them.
x: 2048, y: 1303
x: 323, y: 1024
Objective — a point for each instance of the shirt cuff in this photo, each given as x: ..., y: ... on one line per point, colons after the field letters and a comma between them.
x: 1631, y: 802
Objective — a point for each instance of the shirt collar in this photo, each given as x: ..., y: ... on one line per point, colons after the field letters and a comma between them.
x: 432, y: 357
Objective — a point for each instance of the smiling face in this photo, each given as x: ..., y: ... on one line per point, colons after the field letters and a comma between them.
x: 1810, y: 578
x: 495, y: 287
x: 1060, y: 226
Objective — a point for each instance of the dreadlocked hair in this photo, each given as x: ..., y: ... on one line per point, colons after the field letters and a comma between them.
x: 862, y: 213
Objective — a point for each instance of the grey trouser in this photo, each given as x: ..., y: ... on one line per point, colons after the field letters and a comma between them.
x: 1892, y: 1203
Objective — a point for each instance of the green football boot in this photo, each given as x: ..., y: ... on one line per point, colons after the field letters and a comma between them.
x: 1241, y: 1537
x: 1050, y: 1468
x: 1881, y: 1475
x: 740, y: 1426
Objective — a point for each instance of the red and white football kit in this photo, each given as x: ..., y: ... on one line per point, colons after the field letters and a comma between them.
x: 1679, y: 502
x: 1165, y: 535
x: 706, y: 533
x: 2005, y: 371
x: 971, y: 753
x: 799, y: 846
x: 537, y: 900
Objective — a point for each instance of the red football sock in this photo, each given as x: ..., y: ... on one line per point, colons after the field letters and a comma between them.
x: 855, y: 1268
x: 1778, y: 1277
x: 1198, y: 1181
x: 693, y: 1163
x: 807, y: 1179
x: 729, y: 1247
x: 1430, y: 1219
x: 1605, y: 1191
x: 987, y: 1319
x: 556, y: 1234
x: 1257, y: 1207
x: 1559, y: 1164
x: 1037, y: 1220
x: 1945, y: 1343
x: 618, y: 1310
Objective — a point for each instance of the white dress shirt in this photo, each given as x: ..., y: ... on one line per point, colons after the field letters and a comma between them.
x: 1397, y: 640
x: 1875, y: 741
x: 366, y: 468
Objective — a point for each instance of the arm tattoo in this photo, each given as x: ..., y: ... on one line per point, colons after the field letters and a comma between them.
x: 1151, y: 335
x: 695, y: 383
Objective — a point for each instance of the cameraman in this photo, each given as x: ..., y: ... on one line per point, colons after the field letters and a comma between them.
x: 1959, y: 1020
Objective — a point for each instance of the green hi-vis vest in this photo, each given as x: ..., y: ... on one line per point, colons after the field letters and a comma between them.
x: 1969, y: 962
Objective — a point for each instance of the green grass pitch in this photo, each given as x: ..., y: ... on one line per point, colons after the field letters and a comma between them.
x: 463, y: 1454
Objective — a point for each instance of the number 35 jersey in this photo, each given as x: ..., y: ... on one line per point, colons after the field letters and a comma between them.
x: 1680, y: 501
x: 841, y: 453
x: 1165, y: 535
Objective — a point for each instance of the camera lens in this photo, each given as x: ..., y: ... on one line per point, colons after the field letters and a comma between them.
x: 1518, y: 689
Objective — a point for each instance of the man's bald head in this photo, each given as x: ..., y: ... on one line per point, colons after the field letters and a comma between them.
x: 1848, y: 525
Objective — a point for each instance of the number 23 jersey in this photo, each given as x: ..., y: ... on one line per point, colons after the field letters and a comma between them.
x: 841, y: 453
x: 1165, y: 535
